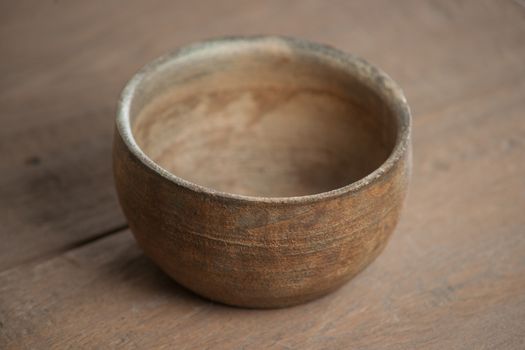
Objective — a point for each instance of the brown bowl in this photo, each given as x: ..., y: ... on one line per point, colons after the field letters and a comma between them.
x: 262, y: 171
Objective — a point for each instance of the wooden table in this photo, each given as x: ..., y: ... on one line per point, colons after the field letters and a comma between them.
x: 453, y: 274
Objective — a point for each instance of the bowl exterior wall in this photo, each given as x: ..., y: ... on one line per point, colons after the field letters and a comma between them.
x: 257, y: 254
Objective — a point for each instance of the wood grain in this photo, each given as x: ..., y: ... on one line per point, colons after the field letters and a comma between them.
x: 453, y: 274
x: 63, y: 64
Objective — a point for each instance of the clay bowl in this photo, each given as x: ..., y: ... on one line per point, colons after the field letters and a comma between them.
x: 262, y: 171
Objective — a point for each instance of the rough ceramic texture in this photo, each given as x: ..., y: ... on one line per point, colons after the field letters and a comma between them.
x: 262, y: 172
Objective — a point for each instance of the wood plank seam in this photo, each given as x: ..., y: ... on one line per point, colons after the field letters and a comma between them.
x: 67, y: 248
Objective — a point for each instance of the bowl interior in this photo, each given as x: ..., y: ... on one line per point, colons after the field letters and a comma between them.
x: 261, y: 119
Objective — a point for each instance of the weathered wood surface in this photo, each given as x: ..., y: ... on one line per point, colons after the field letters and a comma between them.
x: 63, y: 64
x: 453, y: 275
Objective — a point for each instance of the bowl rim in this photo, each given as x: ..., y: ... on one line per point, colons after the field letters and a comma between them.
x: 375, y: 78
